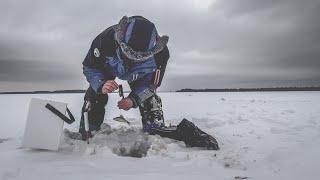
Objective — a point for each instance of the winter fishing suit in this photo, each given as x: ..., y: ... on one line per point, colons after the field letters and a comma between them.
x: 108, y: 59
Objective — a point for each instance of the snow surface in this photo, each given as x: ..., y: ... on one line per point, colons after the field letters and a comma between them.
x: 262, y: 135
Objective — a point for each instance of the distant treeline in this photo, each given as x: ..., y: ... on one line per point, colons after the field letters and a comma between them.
x: 253, y: 89
x: 184, y: 90
x: 45, y: 92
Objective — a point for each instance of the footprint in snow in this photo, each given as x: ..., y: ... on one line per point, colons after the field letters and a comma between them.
x: 288, y: 111
x: 274, y: 130
x: 3, y: 140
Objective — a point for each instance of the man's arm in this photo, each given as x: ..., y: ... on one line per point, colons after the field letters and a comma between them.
x: 141, y: 90
x: 94, y: 67
x: 95, y: 70
x: 161, y: 60
x: 96, y: 78
x: 144, y: 88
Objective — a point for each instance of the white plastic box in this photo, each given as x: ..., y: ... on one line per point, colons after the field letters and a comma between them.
x: 43, y: 128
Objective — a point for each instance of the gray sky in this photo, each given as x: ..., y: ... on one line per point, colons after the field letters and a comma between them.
x: 213, y: 43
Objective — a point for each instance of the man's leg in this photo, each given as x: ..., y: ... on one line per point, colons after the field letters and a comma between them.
x: 96, y: 112
x: 153, y: 120
x: 153, y: 123
x: 151, y: 113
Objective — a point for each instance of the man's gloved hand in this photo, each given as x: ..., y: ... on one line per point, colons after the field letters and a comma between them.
x: 125, y: 104
x: 109, y: 87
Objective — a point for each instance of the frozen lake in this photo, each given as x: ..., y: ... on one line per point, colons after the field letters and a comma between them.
x: 262, y: 135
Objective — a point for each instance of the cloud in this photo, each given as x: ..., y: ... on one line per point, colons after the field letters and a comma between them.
x: 35, y: 71
x: 218, y: 43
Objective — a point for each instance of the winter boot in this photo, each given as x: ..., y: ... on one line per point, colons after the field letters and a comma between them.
x: 152, y: 114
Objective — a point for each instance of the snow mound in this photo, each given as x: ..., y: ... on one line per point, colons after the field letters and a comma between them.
x: 122, y: 140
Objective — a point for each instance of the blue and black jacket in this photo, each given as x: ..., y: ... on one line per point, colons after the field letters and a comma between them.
x: 101, y: 64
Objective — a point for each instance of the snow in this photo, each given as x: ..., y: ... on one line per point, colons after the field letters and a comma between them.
x: 262, y: 135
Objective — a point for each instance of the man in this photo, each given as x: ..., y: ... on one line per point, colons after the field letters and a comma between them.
x: 131, y: 50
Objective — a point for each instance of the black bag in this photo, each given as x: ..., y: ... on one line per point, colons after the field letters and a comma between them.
x: 190, y: 134
x: 195, y: 137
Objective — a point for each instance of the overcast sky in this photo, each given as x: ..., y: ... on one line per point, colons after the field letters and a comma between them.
x: 213, y: 43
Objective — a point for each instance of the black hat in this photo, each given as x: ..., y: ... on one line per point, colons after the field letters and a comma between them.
x: 138, y: 38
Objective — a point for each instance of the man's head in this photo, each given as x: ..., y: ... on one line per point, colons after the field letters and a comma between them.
x: 138, y: 39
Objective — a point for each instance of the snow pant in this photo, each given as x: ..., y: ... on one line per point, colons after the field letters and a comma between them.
x: 152, y: 121
x: 151, y: 110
